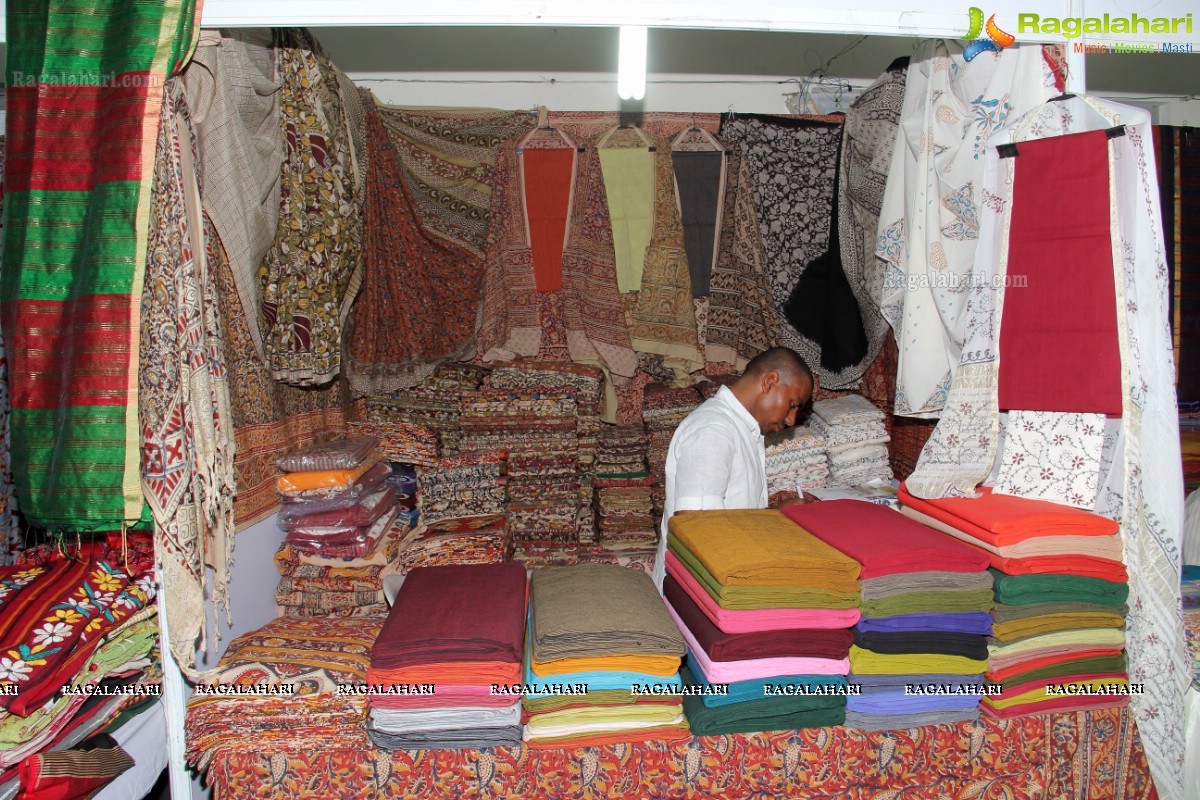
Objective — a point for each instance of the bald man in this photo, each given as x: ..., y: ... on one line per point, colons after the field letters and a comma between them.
x: 716, y: 458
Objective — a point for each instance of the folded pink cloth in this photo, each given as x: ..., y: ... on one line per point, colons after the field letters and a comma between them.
x: 759, y: 619
x: 753, y: 669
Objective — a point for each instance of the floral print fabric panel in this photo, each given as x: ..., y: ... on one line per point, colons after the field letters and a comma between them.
x: 929, y: 220
x: 1052, y: 456
x: 309, y: 275
x: 1066, y: 755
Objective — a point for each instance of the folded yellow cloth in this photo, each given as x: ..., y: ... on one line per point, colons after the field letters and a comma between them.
x: 762, y: 547
x: 1048, y: 623
x: 868, y: 662
x: 1094, y: 688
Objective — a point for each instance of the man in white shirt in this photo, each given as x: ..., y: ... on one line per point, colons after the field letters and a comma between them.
x: 716, y: 458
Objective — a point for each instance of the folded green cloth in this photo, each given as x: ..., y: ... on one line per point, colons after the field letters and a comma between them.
x: 1019, y: 590
x: 784, y: 713
x: 743, y: 598
x: 929, y: 603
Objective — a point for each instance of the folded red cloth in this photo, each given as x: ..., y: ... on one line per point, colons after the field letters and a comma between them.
x: 885, y: 541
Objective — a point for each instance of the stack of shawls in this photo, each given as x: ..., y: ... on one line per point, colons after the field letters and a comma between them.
x: 436, y: 409
x: 584, y: 383
x: 766, y: 608
x: 662, y: 411
x: 480, y: 539
x: 336, y: 504
x: 300, y: 666
x: 460, y: 486
x: 322, y: 579
x: 855, y: 439
x: 453, y: 633
x: 402, y: 442
x: 796, y: 458
x: 71, y: 623
x: 598, y: 637
x: 624, y: 489
x: 925, y: 604
x: 1060, y: 589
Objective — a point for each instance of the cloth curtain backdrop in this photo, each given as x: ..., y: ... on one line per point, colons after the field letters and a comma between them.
x: 10, y: 534
x: 184, y: 408
x: 84, y: 92
x: 929, y: 221
x: 1140, y: 481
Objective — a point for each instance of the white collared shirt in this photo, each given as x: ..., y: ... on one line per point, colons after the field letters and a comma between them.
x: 716, y: 460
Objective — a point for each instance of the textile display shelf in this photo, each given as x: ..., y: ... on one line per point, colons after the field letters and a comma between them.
x: 1080, y: 754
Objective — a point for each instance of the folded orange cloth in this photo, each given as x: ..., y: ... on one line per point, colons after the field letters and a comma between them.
x: 1001, y: 519
x: 458, y: 673
x: 292, y: 482
x: 664, y: 666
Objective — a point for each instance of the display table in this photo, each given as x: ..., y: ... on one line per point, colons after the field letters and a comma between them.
x: 1094, y: 754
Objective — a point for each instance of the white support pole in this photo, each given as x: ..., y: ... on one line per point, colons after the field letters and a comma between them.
x: 174, y: 703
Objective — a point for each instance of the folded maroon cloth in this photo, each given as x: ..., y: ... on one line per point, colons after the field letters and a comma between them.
x: 884, y: 541
x: 780, y: 643
x: 465, y: 612
x: 364, y: 512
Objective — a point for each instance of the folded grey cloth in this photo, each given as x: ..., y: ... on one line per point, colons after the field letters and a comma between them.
x: 890, y: 722
x: 599, y: 610
x: 887, y: 684
x: 398, y: 722
x: 508, y: 736
x: 933, y: 581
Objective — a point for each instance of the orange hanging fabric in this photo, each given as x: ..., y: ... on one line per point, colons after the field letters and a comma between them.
x: 548, y: 177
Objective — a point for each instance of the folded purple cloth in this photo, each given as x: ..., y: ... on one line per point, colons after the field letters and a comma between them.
x: 964, y: 622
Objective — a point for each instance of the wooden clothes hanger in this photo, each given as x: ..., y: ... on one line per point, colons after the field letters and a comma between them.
x: 544, y: 126
x: 695, y: 139
x: 607, y: 136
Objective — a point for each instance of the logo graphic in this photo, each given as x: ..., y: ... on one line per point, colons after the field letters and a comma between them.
x: 996, y: 39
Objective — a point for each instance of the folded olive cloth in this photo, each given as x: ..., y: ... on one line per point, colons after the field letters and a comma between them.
x: 937, y: 580
x: 746, y: 598
x: 1007, y: 613
x: 1048, y: 623
x: 928, y: 602
x: 597, y: 610
x: 762, y: 547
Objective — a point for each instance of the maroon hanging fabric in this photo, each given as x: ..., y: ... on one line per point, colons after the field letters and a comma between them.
x: 1058, y: 332
x: 548, y: 175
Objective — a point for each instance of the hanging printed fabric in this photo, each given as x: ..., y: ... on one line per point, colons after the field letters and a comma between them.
x: 929, y: 221
x: 310, y: 275
x: 77, y: 207
x: 700, y: 181
x: 547, y: 176
x: 10, y: 533
x: 629, y: 187
x: 1060, y: 281
x: 793, y: 163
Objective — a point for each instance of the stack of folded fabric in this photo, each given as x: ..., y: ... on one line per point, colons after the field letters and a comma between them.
x: 623, y: 502
x: 331, y: 583
x: 435, y: 409
x: 453, y: 633
x: 662, y: 411
x: 539, y: 432
x: 855, y: 439
x: 402, y: 442
x: 312, y: 676
x: 456, y: 377
x: 337, y: 505
x: 766, y: 608
x: 921, y: 647
x: 75, y: 621
x: 463, y: 486
x: 796, y: 458
x: 1060, y: 588
x: 584, y: 383
x: 455, y: 540
x: 603, y: 660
